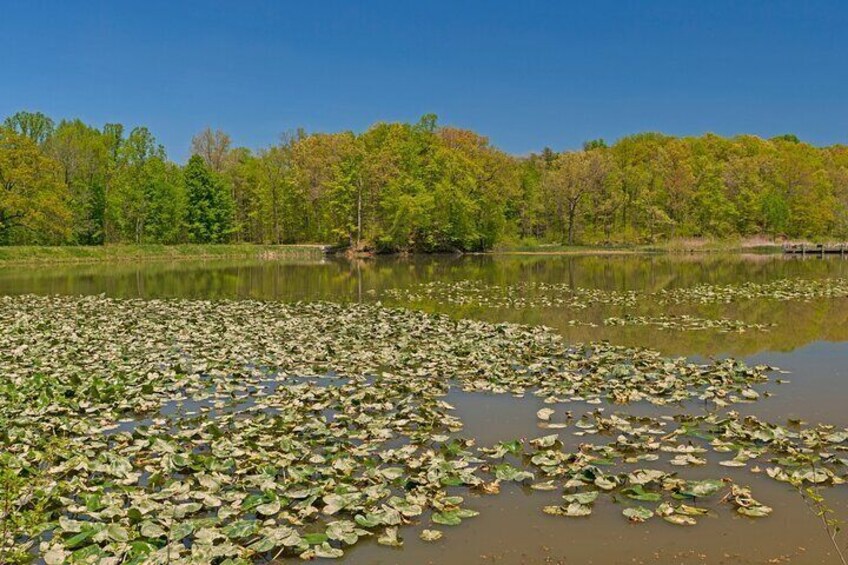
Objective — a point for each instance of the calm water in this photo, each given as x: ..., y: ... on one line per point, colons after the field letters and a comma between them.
x: 810, y: 339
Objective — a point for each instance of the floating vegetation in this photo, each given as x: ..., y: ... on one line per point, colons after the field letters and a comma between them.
x: 687, y: 323
x: 526, y: 294
x: 545, y: 295
x: 781, y: 289
x: 799, y: 456
x: 180, y: 431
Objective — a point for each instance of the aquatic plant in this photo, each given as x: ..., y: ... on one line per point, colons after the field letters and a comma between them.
x: 186, y: 431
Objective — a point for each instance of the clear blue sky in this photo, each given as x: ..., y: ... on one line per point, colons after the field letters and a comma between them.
x: 527, y: 74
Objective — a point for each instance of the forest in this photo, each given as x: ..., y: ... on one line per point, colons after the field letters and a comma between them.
x: 418, y: 187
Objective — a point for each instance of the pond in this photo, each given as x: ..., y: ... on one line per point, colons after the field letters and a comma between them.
x: 786, y: 312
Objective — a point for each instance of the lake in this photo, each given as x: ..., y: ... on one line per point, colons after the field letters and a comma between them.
x: 636, y: 306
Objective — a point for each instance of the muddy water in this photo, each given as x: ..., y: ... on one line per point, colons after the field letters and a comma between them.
x: 809, y: 339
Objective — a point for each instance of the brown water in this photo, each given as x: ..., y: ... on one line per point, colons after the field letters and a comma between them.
x: 810, y: 339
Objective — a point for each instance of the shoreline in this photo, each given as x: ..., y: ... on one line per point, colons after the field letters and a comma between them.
x: 42, y: 255
x: 638, y: 250
x: 757, y: 246
x: 123, y: 253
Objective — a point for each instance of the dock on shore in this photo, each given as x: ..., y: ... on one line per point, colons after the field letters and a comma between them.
x: 816, y: 249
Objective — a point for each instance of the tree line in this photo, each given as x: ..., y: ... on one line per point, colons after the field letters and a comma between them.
x: 414, y: 187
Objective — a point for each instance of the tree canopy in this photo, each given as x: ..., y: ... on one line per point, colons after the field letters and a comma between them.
x: 416, y: 187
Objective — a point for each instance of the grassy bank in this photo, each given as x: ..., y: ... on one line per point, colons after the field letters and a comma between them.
x: 716, y: 246
x: 552, y: 249
x: 119, y: 253
x: 689, y: 245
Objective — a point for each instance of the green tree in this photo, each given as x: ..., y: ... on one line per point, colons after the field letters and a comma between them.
x: 775, y: 213
x: 83, y: 155
x: 209, y: 205
x: 344, y: 200
x: 275, y: 183
x: 410, y: 186
x: 241, y: 174
x: 33, y: 199
x: 34, y: 125
x: 594, y: 144
x: 570, y: 179
x: 145, y: 200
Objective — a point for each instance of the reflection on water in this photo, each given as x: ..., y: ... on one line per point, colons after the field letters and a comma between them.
x: 796, y: 323
x: 511, y: 529
x: 810, y: 339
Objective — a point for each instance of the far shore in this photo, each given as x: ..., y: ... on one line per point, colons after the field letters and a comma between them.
x: 22, y: 255
x: 674, y: 246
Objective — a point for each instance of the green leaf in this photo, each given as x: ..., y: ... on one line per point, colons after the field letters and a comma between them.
x: 637, y: 513
x: 240, y: 529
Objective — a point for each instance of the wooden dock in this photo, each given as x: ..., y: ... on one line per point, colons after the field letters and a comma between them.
x: 816, y: 249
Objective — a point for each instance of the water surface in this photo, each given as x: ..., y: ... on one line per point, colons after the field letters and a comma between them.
x: 808, y: 338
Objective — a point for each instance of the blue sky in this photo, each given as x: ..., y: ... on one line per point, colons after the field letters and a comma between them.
x: 526, y: 74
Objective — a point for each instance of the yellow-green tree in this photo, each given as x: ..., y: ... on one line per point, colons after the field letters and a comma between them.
x: 33, y: 198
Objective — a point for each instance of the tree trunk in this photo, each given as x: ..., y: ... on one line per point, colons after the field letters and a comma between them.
x: 359, y: 215
x: 572, y: 209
